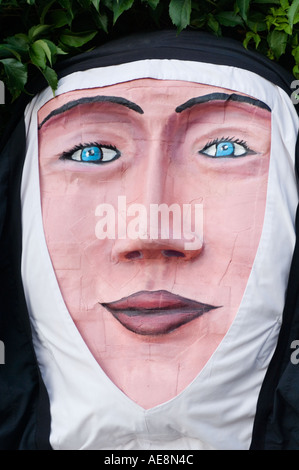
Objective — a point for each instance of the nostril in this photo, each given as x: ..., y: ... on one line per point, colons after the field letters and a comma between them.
x: 136, y: 254
x: 173, y: 254
x: 133, y: 254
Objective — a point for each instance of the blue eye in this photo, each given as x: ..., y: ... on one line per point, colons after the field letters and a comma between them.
x: 92, y: 153
x: 226, y: 148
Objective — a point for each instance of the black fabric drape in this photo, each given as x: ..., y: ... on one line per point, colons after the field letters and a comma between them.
x: 21, y: 389
x: 276, y: 424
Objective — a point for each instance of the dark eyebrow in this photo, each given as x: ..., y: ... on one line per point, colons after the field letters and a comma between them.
x: 93, y: 99
x: 221, y: 97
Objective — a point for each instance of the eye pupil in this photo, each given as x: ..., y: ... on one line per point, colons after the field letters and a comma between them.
x: 224, y: 149
x: 91, y: 154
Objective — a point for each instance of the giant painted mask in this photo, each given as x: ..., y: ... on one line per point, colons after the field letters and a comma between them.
x: 158, y: 204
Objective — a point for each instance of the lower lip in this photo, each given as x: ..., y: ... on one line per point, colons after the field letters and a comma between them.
x: 157, y: 321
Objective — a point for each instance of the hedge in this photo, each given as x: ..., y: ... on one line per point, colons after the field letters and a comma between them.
x: 35, y: 34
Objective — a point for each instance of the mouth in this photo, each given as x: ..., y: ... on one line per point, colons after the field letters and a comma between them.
x: 155, y: 313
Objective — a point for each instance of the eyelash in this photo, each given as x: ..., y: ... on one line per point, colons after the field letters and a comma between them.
x: 227, y: 139
x: 68, y: 154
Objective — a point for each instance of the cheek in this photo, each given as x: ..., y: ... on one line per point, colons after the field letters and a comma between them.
x: 233, y: 215
x: 67, y: 218
x: 68, y: 210
x: 80, y: 260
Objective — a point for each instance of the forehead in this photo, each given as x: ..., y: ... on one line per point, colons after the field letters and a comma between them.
x: 147, y: 93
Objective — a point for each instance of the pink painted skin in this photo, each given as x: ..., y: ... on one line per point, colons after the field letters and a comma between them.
x: 160, y: 162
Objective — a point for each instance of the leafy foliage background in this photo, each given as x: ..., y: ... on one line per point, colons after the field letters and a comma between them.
x: 35, y: 34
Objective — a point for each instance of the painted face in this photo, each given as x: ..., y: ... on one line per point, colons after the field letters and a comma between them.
x: 153, y: 197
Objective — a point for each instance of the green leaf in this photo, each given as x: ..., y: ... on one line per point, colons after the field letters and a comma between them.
x: 85, y: 3
x: 77, y: 39
x: 119, y: 6
x: 45, y: 11
x: 284, y: 4
x: 296, y: 71
x: 284, y: 26
x: 250, y: 35
x: 37, y: 30
x: 38, y: 55
x: 256, y: 22
x: 101, y: 21
x: 108, y: 4
x: 50, y: 49
x: 60, y: 51
x: 213, y: 23
x: 51, y: 77
x: 180, y: 12
x: 200, y: 22
x: 277, y: 2
x: 295, y: 53
x: 229, y: 18
x: 96, y: 4
x: 20, y: 36
x: 20, y: 41
x: 292, y: 12
x: 40, y: 51
x: 7, y: 51
x: 16, y: 76
x: 152, y: 3
x: 59, y: 18
x: 243, y: 6
x: 277, y: 41
x: 19, y: 46
x: 67, y: 5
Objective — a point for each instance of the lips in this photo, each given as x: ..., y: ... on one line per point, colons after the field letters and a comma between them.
x: 155, y: 313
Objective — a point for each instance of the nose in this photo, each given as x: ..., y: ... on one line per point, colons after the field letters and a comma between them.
x: 148, y: 248
x: 162, y: 228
